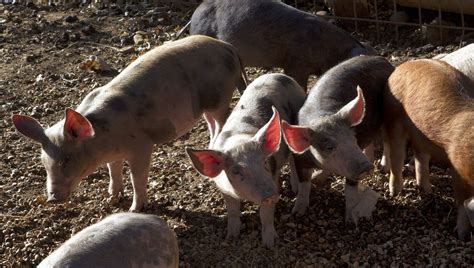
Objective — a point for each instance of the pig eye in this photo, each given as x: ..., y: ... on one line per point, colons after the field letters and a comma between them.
x: 64, y: 161
x: 236, y: 171
x: 267, y: 164
x: 327, y: 145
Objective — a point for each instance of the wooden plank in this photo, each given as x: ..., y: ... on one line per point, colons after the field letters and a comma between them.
x: 444, y: 5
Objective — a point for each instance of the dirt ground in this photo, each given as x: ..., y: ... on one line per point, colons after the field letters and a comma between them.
x: 42, y: 50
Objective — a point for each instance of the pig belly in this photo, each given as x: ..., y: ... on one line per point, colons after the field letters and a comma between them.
x: 420, y: 142
x: 172, y: 120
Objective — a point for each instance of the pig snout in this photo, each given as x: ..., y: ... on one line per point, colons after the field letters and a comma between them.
x: 360, y: 169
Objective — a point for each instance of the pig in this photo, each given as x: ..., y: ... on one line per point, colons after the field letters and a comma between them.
x: 245, y: 158
x: 431, y: 104
x: 156, y: 99
x: 461, y: 59
x: 341, y: 115
x: 120, y: 240
x: 269, y: 34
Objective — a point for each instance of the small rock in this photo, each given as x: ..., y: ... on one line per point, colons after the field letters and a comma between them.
x: 71, y: 19
x: 138, y: 39
x: 88, y: 30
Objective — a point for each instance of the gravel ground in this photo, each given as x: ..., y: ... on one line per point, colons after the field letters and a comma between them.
x: 43, y: 50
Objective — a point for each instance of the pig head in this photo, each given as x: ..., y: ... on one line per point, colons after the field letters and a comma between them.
x: 62, y: 151
x: 245, y: 165
x: 331, y: 141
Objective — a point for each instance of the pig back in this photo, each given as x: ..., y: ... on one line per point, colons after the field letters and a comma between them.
x: 254, y: 108
x: 337, y: 87
x: 463, y: 60
x: 120, y: 240
x: 167, y: 89
x: 273, y: 34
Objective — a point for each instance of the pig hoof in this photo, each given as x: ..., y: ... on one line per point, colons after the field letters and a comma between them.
x: 299, y: 210
x: 464, y: 232
x: 232, y: 234
x: 426, y: 189
x: 395, y: 188
x: 137, y: 208
x: 285, y: 217
x: 113, y: 200
x: 268, y: 238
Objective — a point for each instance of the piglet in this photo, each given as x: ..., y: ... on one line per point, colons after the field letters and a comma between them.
x: 119, y: 240
x: 156, y: 99
x: 431, y: 104
x: 461, y: 59
x: 269, y: 34
x: 341, y: 116
x: 245, y: 158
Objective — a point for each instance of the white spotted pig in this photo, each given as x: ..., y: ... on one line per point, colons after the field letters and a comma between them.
x: 431, y: 105
x: 461, y: 59
x: 119, y: 240
x: 269, y: 34
x: 156, y: 99
x: 245, y: 158
x: 341, y: 116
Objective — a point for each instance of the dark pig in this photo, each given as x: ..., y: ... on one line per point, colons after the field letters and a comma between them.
x: 245, y: 158
x: 119, y: 240
x: 341, y: 116
x: 431, y: 105
x: 156, y: 99
x: 272, y: 34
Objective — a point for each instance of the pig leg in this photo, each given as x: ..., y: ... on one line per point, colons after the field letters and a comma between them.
x: 320, y: 176
x: 139, y: 169
x: 267, y: 213
x: 212, y: 125
x: 385, y: 161
x: 293, y: 174
x: 233, y: 216
x: 422, y: 170
x: 397, y: 142
x: 116, y: 180
x: 304, y: 189
x: 462, y: 191
x: 369, y: 152
x: 300, y: 76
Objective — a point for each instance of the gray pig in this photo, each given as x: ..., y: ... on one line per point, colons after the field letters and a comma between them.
x: 335, y: 123
x: 156, y: 99
x: 120, y: 240
x: 269, y: 34
x: 245, y: 158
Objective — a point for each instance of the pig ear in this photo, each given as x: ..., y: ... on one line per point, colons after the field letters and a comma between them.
x: 29, y: 127
x: 297, y: 137
x: 270, y: 134
x: 354, y: 111
x: 208, y: 163
x: 76, y: 126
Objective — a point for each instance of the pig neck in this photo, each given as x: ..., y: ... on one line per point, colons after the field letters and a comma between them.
x: 225, y: 143
x: 459, y: 131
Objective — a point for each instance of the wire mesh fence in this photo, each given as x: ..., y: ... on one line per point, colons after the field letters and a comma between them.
x: 355, y: 11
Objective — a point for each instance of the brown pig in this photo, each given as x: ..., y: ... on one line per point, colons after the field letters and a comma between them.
x: 431, y: 104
